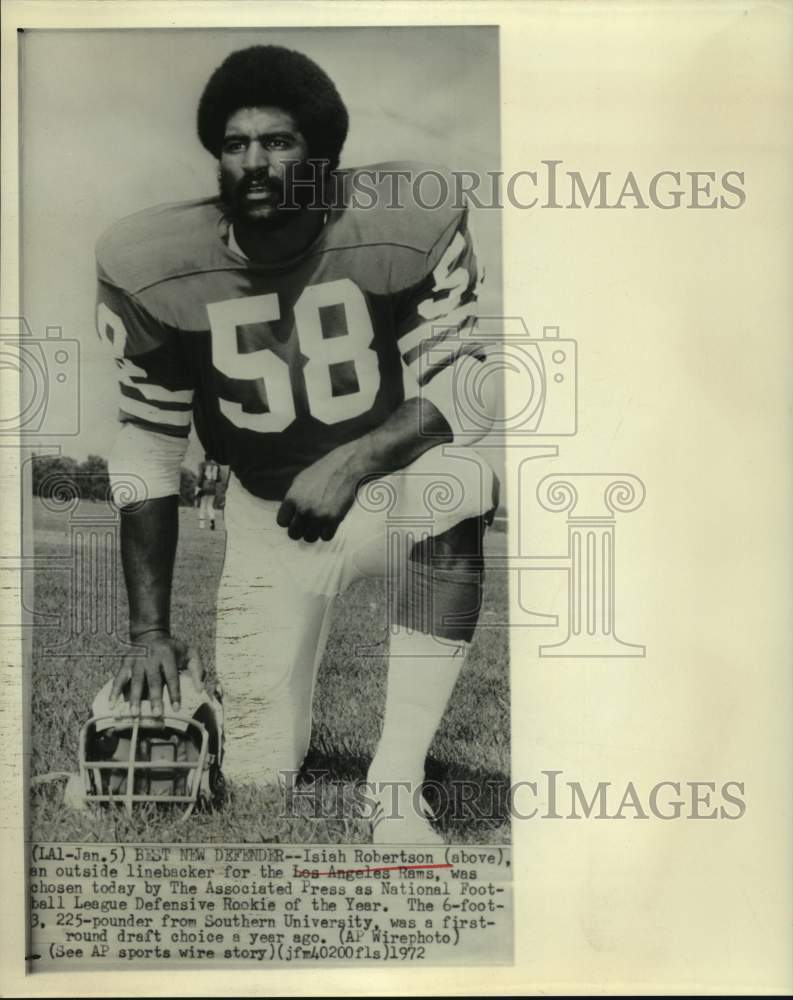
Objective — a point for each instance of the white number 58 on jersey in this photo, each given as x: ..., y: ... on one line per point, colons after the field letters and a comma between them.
x: 272, y: 373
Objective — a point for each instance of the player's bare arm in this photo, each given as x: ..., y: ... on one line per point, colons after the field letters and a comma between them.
x: 149, y: 534
x: 322, y: 494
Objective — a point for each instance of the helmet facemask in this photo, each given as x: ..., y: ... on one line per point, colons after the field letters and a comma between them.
x: 172, y: 760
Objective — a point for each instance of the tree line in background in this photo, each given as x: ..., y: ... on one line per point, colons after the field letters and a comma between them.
x: 55, y: 475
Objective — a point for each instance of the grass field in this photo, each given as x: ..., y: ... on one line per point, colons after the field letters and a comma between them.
x: 71, y: 662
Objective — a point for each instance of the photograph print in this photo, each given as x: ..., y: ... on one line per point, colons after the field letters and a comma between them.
x: 263, y: 481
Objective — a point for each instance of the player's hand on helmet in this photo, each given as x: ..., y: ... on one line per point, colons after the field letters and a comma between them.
x: 145, y: 677
x: 321, y: 495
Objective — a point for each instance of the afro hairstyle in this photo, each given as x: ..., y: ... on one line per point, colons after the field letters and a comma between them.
x: 273, y: 76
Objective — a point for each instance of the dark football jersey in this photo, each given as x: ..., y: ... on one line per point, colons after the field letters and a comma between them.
x: 277, y: 364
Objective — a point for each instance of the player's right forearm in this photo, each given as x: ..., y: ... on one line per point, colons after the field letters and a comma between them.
x: 149, y: 534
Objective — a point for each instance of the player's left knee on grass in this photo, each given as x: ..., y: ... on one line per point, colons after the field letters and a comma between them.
x: 440, y: 590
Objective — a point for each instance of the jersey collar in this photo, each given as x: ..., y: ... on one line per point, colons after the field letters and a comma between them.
x: 234, y: 245
x: 235, y: 248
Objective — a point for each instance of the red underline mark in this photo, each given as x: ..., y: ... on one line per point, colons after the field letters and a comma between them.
x: 365, y: 871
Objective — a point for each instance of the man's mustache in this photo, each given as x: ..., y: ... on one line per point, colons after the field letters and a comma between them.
x: 262, y: 183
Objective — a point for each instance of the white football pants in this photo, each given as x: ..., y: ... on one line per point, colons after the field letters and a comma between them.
x: 276, y: 596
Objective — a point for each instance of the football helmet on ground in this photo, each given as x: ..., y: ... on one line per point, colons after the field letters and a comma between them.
x: 173, y: 760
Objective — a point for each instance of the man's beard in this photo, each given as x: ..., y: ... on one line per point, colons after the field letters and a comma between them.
x: 287, y: 203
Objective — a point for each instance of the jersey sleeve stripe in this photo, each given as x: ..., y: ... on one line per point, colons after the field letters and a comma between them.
x: 155, y: 415
x: 415, y: 341
x: 141, y: 394
x: 154, y: 392
x: 147, y: 425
